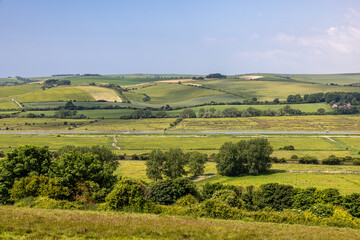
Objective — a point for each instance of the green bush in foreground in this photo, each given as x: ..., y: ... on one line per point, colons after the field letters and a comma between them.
x: 38, y: 186
x: 127, y: 194
x: 167, y: 192
x: 22, y: 162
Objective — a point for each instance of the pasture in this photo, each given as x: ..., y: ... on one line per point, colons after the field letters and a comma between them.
x: 269, y: 90
x: 173, y: 92
x: 283, y: 123
x: 100, y: 93
x: 344, y: 178
x: 14, y: 91
x: 320, y: 147
x: 129, y: 125
x: 27, y: 223
x: 53, y: 141
x: 40, y: 124
x: 57, y: 94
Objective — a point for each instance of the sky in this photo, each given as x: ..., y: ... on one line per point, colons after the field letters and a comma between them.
x: 45, y: 37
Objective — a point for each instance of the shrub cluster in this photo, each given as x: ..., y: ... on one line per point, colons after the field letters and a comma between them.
x: 72, y: 173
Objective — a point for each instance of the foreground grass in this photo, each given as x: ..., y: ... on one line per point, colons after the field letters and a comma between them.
x: 22, y: 223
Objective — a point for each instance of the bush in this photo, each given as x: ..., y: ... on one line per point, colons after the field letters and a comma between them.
x: 322, y: 210
x: 35, y: 186
x: 328, y: 195
x: 22, y: 162
x: 76, y: 167
x: 209, y: 189
x: 332, y: 160
x: 308, y: 160
x: 294, y: 157
x: 186, y: 201
x: 127, y: 194
x: 274, y: 195
x: 289, y: 147
x: 227, y: 196
x: 216, y: 209
x: 356, y: 162
x: 352, y: 204
x: 167, y: 192
x: 304, y: 198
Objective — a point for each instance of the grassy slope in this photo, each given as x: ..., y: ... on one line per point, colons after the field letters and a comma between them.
x: 55, y: 224
x: 283, y: 123
x: 172, y: 93
x: 18, y: 90
x: 268, y: 90
x: 56, y: 94
x: 100, y: 93
x: 328, y: 78
x: 113, y: 79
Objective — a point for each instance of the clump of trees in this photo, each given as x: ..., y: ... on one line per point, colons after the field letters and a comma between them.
x: 171, y: 164
x: 245, y: 157
x: 215, y: 75
x: 71, y: 174
x: 54, y: 83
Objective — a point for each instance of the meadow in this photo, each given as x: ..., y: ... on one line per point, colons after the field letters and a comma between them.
x: 53, y: 141
x: 100, y: 93
x: 26, y: 223
x: 283, y: 123
x: 269, y: 90
x: 57, y: 94
x: 173, y: 92
x: 320, y: 147
x: 40, y: 124
x: 346, y: 178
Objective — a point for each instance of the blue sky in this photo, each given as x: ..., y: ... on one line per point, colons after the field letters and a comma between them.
x: 44, y: 37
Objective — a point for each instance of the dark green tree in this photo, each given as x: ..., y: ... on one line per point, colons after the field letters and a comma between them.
x: 196, y: 162
x: 174, y: 165
x: 251, y: 157
x: 155, y: 165
x: 22, y: 162
x: 76, y: 167
x: 188, y: 113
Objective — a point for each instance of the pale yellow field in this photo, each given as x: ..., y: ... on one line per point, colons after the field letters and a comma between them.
x: 100, y: 93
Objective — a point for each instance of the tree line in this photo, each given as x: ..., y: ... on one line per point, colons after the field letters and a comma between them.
x: 75, y: 177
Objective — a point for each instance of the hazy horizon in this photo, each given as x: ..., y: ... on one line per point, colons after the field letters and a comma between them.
x: 42, y: 38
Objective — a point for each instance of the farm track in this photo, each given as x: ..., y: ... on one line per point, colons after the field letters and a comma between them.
x: 114, y: 144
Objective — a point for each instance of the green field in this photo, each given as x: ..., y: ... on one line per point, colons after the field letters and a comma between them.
x: 19, y: 90
x: 164, y: 93
x: 40, y: 124
x: 57, y: 94
x: 282, y: 123
x: 310, y: 107
x: 344, y: 178
x: 54, y: 142
x: 26, y: 223
x: 269, y: 90
x: 320, y: 147
x: 341, y: 79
